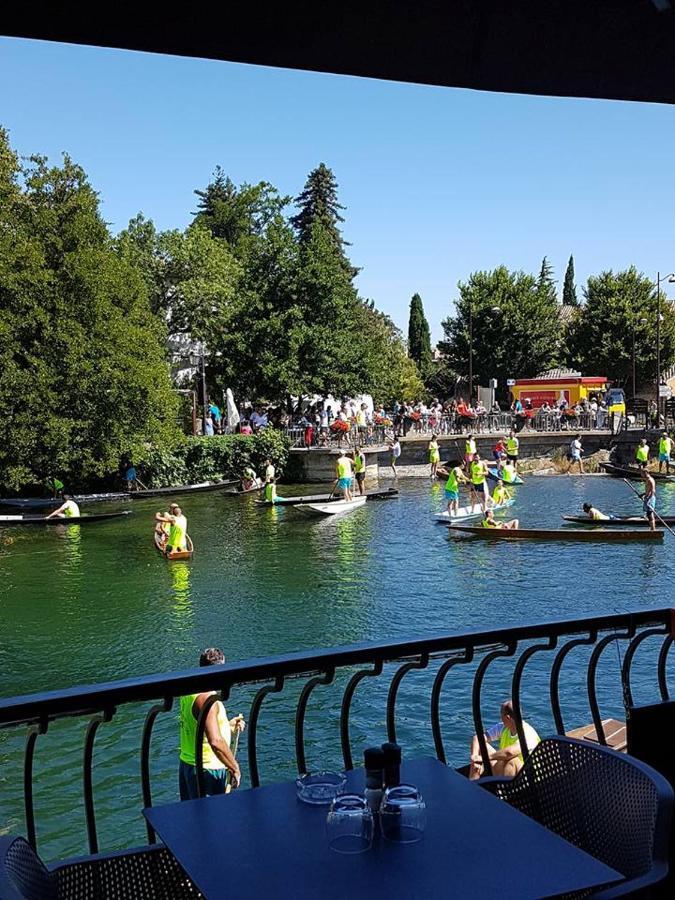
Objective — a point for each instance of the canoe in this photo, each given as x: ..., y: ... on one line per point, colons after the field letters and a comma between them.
x: 469, y: 512
x: 55, y: 502
x: 71, y: 520
x: 554, y: 534
x: 633, y: 473
x: 494, y: 475
x: 182, y: 489
x: 301, y: 500
x: 333, y: 508
x: 176, y: 554
x: 619, y: 521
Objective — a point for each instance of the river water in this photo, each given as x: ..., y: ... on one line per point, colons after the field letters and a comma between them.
x: 99, y: 603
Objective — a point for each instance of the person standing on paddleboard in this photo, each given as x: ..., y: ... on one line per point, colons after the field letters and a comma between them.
x: 649, y: 499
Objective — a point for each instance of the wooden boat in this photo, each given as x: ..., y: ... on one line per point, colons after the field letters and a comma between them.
x: 388, y: 494
x: 619, y: 521
x: 493, y: 475
x: 469, y: 512
x: 69, y: 520
x: 55, y: 502
x: 555, y: 534
x: 183, y: 489
x: 175, y: 554
x: 333, y: 508
x: 633, y: 473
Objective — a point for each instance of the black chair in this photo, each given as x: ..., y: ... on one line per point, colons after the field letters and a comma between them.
x: 146, y: 873
x: 614, y: 807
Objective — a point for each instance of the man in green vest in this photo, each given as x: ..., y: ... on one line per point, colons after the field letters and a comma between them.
x: 455, y: 478
x: 512, y: 449
x: 360, y: 468
x: 218, y: 761
x: 343, y: 470
x: 68, y: 509
x: 642, y: 454
x: 665, y: 446
x: 174, y: 518
x: 478, y: 471
x: 507, y: 760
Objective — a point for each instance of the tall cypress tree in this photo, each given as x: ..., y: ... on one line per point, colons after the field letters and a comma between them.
x: 546, y: 282
x: 318, y: 205
x: 419, y: 336
x: 569, y: 297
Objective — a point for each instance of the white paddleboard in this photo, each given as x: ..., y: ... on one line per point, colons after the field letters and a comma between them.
x: 334, y: 508
x: 469, y: 512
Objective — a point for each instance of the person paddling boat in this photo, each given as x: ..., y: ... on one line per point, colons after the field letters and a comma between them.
x: 176, y: 538
x: 649, y: 499
x: 455, y: 478
x: 665, y: 447
x: 343, y: 469
x: 249, y: 479
x: 360, y: 468
x: 68, y: 509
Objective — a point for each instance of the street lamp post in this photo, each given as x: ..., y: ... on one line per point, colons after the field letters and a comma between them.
x: 203, y: 391
x: 670, y: 278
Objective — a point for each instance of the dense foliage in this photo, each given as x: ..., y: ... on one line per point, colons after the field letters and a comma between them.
x: 569, y: 296
x: 620, y: 309
x: 515, y: 324
x: 83, y: 378
x: 194, y: 460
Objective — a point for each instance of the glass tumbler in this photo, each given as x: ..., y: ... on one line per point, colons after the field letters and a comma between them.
x: 349, y: 824
x: 403, y: 814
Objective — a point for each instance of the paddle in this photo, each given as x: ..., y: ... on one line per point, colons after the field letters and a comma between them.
x: 234, y: 745
x: 637, y: 494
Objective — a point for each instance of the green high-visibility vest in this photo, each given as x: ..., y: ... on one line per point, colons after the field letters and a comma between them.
x: 344, y: 468
x: 477, y: 473
x: 359, y: 462
x: 470, y: 446
x: 512, y: 446
x: 452, y: 484
x: 665, y: 445
x: 642, y: 453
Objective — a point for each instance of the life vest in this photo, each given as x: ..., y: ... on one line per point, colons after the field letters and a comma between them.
x: 477, y: 473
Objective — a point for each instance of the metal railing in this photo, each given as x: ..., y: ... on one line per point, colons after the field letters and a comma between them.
x: 490, y: 423
x: 436, y: 657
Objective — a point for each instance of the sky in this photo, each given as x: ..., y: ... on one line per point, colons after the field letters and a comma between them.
x: 437, y: 182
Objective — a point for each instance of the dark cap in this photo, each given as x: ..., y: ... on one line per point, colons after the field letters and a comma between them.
x: 373, y: 758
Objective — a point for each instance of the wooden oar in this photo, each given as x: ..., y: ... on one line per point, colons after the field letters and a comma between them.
x: 661, y: 520
x: 234, y: 745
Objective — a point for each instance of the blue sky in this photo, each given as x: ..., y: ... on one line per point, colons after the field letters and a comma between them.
x: 437, y: 182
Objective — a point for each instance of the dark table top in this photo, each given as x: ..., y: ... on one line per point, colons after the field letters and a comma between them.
x: 266, y: 843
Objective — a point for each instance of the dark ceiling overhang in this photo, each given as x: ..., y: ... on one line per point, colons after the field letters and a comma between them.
x: 618, y: 49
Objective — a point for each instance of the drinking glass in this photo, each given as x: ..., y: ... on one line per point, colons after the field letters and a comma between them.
x: 403, y: 814
x: 349, y: 824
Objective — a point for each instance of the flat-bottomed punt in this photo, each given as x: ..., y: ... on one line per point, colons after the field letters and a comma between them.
x: 175, y: 554
x: 634, y: 473
x: 334, y: 508
x: 620, y: 521
x: 555, y: 534
x: 65, y: 520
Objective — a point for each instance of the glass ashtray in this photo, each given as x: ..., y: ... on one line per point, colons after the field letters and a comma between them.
x: 320, y: 788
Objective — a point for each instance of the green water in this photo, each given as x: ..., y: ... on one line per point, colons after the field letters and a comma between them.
x: 98, y: 603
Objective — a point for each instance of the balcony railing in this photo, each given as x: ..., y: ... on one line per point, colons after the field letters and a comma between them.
x: 437, y: 658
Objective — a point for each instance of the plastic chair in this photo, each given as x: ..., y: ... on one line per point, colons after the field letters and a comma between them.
x: 614, y: 807
x: 145, y: 873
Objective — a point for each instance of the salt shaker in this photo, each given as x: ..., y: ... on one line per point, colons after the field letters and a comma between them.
x: 373, y: 759
x: 392, y: 764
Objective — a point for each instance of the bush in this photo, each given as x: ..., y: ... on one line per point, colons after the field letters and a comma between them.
x: 213, y: 458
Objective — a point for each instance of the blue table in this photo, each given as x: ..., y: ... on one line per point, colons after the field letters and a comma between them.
x: 265, y: 843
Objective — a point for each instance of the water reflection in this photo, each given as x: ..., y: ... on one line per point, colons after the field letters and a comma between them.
x: 180, y: 580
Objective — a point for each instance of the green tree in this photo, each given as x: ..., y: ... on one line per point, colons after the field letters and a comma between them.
x: 546, y: 282
x: 419, y: 336
x: 569, y: 297
x: 84, y: 381
x: 318, y: 205
x: 619, y: 306
x: 388, y: 374
x: 518, y: 340
x: 237, y: 214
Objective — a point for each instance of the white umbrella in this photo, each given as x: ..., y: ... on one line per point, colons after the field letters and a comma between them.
x: 232, y: 411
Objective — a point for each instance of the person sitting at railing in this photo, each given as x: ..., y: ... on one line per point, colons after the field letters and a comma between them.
x: 507, y: 760
x: 218, y: 761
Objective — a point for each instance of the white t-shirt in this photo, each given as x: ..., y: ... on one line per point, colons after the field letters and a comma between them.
x: 396, y: 450
x: 575, y: 447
